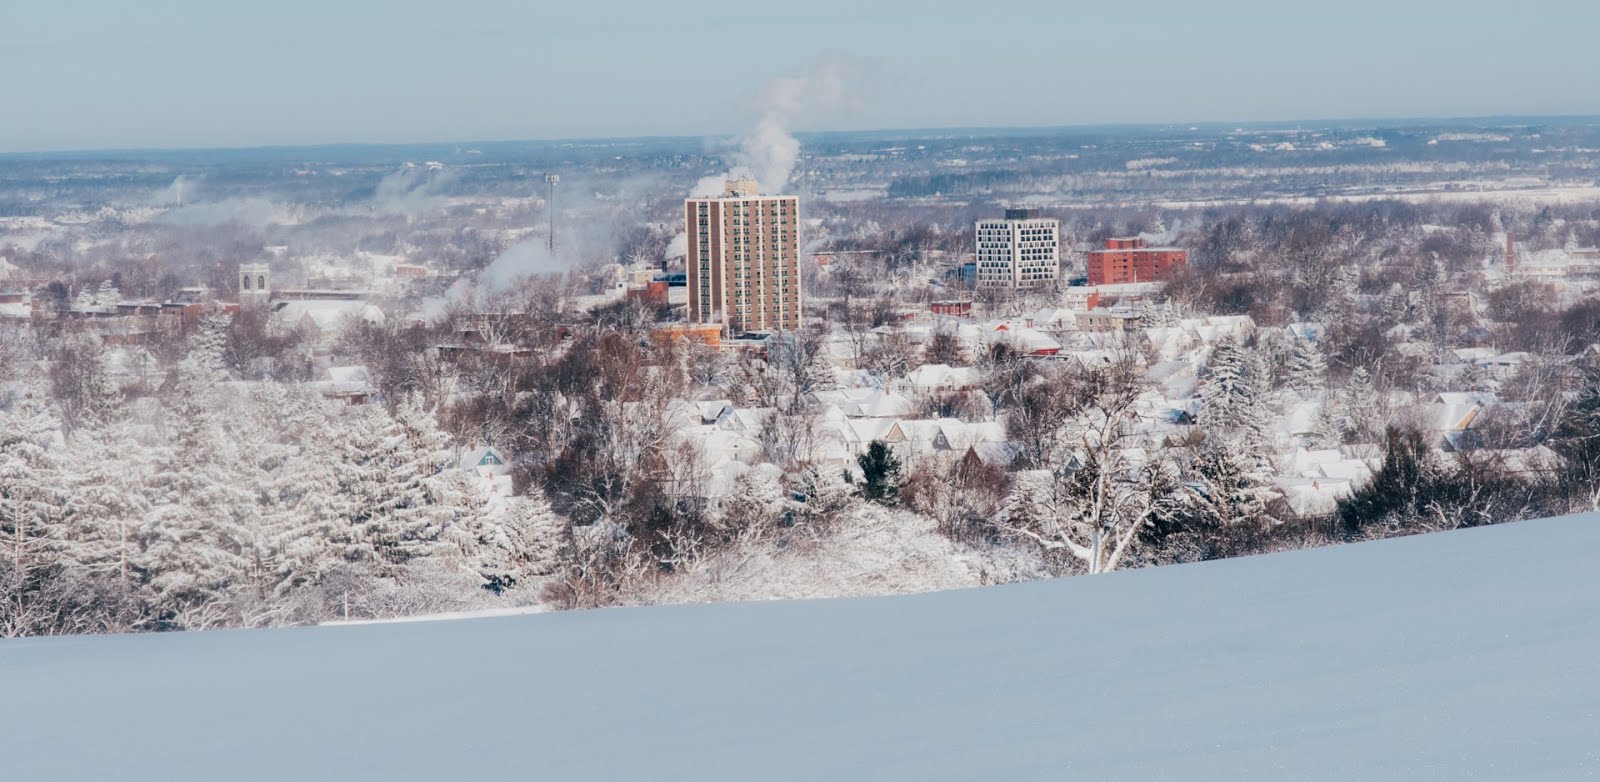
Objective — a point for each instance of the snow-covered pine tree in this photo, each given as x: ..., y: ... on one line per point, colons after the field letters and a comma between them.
x: 197, y: 532
x: 396, y: 500
x: 1395, y: 304
x: 1362, y: 419
x: 31, y: 492
x: 1340, y: 305
x: 1031, y: 504
x: 1228, y: 385
x: 510, y: 544
x: 1164, y: 315
x: 826, y: 492
x: 1234, y: 488
x: 1255, y: 410
x: 361, y: 439
x: 1331, y: 419
x: 107, y: 503
x: 1473, y: 378
x: 107, y: 294
x: 81, y: 383
x: 1308, y: 368
x: 755, y: 500
x: 289, y: 471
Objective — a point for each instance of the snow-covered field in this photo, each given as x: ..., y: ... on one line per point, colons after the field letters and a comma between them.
x: 1466, y: 655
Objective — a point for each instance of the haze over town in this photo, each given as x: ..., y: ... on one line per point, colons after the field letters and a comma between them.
x: 835, y: 301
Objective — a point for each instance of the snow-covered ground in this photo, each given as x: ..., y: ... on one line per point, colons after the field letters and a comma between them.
x: 1466, y: 655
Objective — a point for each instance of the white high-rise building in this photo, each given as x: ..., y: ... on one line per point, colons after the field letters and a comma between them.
x: 1021, y: 251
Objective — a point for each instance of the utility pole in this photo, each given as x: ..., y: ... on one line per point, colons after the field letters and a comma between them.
x: 550, y: 207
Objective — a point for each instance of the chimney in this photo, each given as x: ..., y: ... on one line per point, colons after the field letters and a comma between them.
x: 1511, y: 251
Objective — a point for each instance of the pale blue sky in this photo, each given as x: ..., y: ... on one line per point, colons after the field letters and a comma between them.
x: 178, y: 73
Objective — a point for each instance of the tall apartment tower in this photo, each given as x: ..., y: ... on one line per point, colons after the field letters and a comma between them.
x: 1021, y: 251
x: 743, y: 267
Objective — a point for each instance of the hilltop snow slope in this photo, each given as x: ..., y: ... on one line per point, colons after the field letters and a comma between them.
x: 1472, y: 654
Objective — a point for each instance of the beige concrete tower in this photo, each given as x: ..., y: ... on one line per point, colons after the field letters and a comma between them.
x: 744, y: 259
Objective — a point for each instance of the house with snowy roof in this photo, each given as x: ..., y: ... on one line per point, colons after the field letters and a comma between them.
x: 712, y: 411
x: 348, y: 384
x: 949, y: 435
x: 993, y: 454
x: 1052, y: 319
x: 1024, y: 339
x: 319, y: 320
x: 941, y: 378
x: 746, y: 421
x: 866, y: 402
x: 484, y: 460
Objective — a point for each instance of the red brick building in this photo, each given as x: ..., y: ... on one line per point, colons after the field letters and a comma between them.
x: 1130, y: 260
x: 743, y: 266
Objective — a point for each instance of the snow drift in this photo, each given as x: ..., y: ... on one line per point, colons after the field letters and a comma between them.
x: 1467, y: 654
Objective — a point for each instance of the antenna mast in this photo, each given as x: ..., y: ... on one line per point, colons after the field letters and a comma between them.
x: 550, y: 207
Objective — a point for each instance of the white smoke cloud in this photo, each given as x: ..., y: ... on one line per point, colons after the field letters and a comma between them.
x: 186, y: 204
x: 514, y: 265
x: 520, y: 260
x: 412, y: 190
x: 253, y: 212
x: 678, y: 246
x: 184, y: 189
x: 835, y: 84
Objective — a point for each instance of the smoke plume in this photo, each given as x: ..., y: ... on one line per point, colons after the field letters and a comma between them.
x: 835, y: 84
x: 412, y: 190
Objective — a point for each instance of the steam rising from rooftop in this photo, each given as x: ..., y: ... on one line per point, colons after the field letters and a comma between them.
x: 835, y: 84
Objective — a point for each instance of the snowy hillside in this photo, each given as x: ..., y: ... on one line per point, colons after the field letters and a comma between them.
x: 1471, y: 654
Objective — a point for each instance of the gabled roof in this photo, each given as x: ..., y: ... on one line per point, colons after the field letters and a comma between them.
x: 868, y: 429
x: 483, y: 458
x: 712, y: 410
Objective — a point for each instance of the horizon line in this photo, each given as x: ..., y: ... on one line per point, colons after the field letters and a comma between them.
x: 1355, y: 123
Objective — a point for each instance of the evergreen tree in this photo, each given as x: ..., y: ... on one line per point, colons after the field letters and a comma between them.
x: 1473, y: 378
x: 197, y: 536
x: 1340, y: 305
x: 1235, y: 488
x: 1225, y: 507
x: 81, y: 383
x: 1395, y: 304
x: 1030, y: 505
x: 107, y: 504
x: 880, y: 474
x: 1163, y: 315
x: 31, y: 534
x: 1234, y: 393
x: 509, y: 544
x: 1361, y: 414
x: 1398, y: 491
x: 394, y: 500
x: 826, y: 493
x: 1308, y: 368
x: 755, y: 500
x: 294, y: 482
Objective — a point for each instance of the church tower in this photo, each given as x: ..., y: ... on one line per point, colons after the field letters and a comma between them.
x: 255, y: 283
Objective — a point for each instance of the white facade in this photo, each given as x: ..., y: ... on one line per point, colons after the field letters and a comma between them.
x: 1020, y: 251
